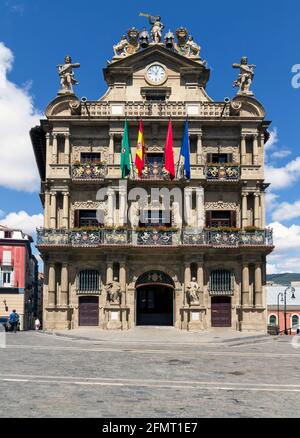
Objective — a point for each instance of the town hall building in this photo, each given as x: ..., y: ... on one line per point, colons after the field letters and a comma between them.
x: 114, y: 260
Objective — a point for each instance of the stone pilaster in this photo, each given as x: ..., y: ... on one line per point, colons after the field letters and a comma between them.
x: 64, y: 293
x: 258, y: 285
x: 199, y: 148
x: 244, y: 209
x: 53, y: 211
x: 111, y: 148
x: 54, y: 148
x: 255, y: 149
x: 243, y: 149
x: 256, y: 210
x: 67, y: 148
x: 66, y: 209
x: 47, y: 209
x: 245, y: 284
x: 51, y: 285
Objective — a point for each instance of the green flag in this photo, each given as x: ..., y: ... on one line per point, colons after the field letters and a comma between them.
x: 125, y: 152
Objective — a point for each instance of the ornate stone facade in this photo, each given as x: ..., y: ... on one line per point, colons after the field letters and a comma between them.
x: 206, y: 269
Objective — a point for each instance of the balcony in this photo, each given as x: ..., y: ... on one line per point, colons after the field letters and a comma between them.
x: 156, y: 172
x: 89, y: 171
x: 154, y: 109
x: 152, y: 237
x: 222, y: 172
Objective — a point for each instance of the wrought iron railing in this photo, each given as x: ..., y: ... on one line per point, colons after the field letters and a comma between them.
x: 223, y: 173
x: 185, y: 237
x: 89, y: 171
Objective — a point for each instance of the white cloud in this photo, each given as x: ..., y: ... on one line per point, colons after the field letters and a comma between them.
x: 281, y: 154
x: 282, y: 177
x: 286, y: 257
x: 271, y: 200
x: 286, y: 211
x: 273, y: 140
x: 18, y: 169
x: 23, y: 221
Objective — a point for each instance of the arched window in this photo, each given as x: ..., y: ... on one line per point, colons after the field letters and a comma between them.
x: 295, y: 320
x: 273, y: 320
x: 88, y: 281
x: 221, y: 282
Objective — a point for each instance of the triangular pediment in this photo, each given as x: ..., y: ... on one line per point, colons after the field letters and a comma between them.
x: 157, y: 53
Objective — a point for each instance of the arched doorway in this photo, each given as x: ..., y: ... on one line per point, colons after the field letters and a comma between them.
x: 155, y: 299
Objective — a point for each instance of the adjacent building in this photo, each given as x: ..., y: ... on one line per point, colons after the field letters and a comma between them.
x: 194, y: 271
x: 18, y: 276
x: 278, y: 313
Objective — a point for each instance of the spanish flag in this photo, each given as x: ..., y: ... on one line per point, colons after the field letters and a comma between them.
x: 140, y: 151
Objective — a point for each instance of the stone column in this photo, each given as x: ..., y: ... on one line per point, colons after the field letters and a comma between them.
x: 245, y: 285
x: 256, y: 210
x: 64, y: 298
x: 51, y: 286
x: 255, y: 149
x: 122, y: 280
x: 122, y: 207
x: 110, y: 206
x: 54, y: 149
x: 258, y: 285
x: 243, y: 149
x: 53, y: 211
x: 188, y: 213
x: 46, y: 209
x: 262, y: 148
x: 200, y: 281
x: 199, y: 149
x: 187, y: 278
x: 111, y: 149
x: 109, y: 271
x: 244, y: 209
x: 67, y: 148
x: 48, y: 155
x: 66, y: 209
x: 262, y: 210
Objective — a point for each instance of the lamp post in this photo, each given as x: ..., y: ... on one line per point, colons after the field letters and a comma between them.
x: 283, y: 299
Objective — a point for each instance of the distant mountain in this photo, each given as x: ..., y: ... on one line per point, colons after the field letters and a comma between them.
x: 283, y: 279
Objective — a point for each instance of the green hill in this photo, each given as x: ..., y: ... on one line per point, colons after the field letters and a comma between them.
x: 283, y: 279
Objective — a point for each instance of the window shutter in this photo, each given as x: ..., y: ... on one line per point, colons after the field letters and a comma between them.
x: 77, y: 218
x: 233, y: 218
x: 208, y: 218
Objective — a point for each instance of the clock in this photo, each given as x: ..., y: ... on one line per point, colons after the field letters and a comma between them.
x: 156, y: 74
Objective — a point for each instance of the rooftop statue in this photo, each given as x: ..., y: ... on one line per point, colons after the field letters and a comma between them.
x: 157, y: 27
x: 128, y: 45
x: 245, y: 77
x: 66, y: 75
x: 186, y: 45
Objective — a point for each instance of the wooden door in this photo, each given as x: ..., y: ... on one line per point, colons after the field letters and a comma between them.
x: 89, y: 311
x: 221, y: 312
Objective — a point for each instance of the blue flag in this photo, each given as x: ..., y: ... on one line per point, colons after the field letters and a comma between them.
x: 185, y: 151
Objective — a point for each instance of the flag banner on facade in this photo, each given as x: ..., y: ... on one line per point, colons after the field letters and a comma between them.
x: 125, y: 152
x: 169, y: 153
x: 185, y: 151
x: 140, y: 151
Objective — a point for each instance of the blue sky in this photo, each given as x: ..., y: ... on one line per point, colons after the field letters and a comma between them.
x: 39, y: 34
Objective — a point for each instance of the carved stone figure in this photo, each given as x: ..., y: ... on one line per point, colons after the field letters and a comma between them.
x: 119, y: 48
x: 66, y: 75
x: 128, y: 45
x: 193, y: 292
x: 194, y: 48
x: 113, y: 291
x: 245, y: 77
x: 181, y: 46
x: 157, y: 27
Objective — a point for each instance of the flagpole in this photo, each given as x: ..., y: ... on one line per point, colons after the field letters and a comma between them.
x: 179, y: 160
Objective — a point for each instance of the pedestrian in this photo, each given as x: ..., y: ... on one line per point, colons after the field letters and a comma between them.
x: 37, y: 324
x: 14, y: 320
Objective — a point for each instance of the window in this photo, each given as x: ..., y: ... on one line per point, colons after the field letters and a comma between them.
x: 89, y: 281
x: 7, y: 234
x: 86, y: 218
x: 152, y: 218
x: 295, y: 320
x: 220, y: 218
x: 221, y: 282
x: 219, y: 158
x: 273, y: 320
x: 90, y: 157
x: 6, y: 258
x: 7, y: 278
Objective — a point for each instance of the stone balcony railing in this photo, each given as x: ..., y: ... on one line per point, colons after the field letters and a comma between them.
x: 154, y: 109
x: 126, y: 237
x: 222, y: 172
x: 157, y: 172
x: 87, y: 171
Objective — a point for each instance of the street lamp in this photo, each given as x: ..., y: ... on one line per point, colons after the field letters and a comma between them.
x: 283, y: 300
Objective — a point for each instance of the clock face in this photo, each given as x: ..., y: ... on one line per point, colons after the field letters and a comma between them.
x: 156, y: 74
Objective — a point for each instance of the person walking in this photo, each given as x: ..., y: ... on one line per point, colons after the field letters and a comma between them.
x: 14, y: 320
x: 37, y: 324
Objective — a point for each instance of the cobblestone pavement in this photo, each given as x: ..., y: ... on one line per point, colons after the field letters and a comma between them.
x: 45, y: 375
